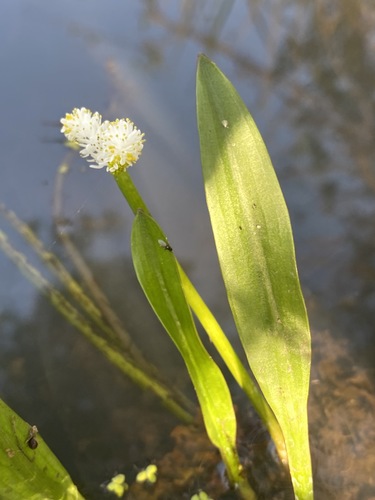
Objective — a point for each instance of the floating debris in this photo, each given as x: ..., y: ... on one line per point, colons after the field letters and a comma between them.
x: 149, y: 474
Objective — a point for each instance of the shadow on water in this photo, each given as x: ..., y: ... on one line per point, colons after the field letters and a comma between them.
x: 306, y: 71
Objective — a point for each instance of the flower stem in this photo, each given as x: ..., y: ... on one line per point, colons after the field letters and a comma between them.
x: 213, y: 330
x: 130, y: 192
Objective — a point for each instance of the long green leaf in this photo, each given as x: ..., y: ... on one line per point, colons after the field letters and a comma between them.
x: 254, y: 242
x: 158, y: 274
x: 213, y: 330
x: 35, y: 474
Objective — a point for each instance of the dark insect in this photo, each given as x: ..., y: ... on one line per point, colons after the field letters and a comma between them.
x: 31, y: 441
x: 165, y: 245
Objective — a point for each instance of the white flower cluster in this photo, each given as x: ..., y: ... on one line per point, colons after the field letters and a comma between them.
x: 115, y: 145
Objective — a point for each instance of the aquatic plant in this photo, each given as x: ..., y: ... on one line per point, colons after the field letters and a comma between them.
x: 255, y: 247
x: 254, y: 243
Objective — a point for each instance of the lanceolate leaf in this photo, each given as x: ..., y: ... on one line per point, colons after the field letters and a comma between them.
x: 29, y: 470
x: 254, y: 242
x: 159, y: 277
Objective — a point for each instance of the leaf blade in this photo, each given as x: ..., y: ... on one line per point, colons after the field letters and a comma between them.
x: 255, y: 246
x: 25, y: 473
x: 158, y: 275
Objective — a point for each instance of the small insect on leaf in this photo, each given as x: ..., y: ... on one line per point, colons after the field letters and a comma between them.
x: 165, y: 245
x: 31, y: 441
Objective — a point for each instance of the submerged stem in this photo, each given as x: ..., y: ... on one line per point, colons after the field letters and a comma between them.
x: 117, y: 358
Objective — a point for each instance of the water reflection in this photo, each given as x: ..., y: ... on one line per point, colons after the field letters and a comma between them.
x: 306, y: 71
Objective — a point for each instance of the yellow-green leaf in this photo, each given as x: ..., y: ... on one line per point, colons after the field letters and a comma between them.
x: 28, y: 468
x: 157, y: 272
x: 254, y: 242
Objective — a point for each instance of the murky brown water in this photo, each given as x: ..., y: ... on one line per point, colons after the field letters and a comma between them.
x: 307, y: 72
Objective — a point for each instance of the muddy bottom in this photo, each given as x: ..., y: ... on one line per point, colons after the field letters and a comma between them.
x: 341, y: 408
x: 99, y: 424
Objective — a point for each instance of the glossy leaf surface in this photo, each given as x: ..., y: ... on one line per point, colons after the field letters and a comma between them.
x: 159, y: 277
x: 255, y: 246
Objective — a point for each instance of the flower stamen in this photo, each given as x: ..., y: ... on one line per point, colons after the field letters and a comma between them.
x: 115, y: 145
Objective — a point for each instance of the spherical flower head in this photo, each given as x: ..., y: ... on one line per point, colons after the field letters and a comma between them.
x: 117, y: 145
x: 81, y: 126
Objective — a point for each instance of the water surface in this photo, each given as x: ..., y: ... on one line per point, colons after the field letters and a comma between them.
x: 306, y: 72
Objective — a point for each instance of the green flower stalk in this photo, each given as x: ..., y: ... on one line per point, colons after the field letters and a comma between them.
x: 117, y: 145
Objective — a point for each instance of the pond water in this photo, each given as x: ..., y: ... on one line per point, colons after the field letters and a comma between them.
x: 306, y: 70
